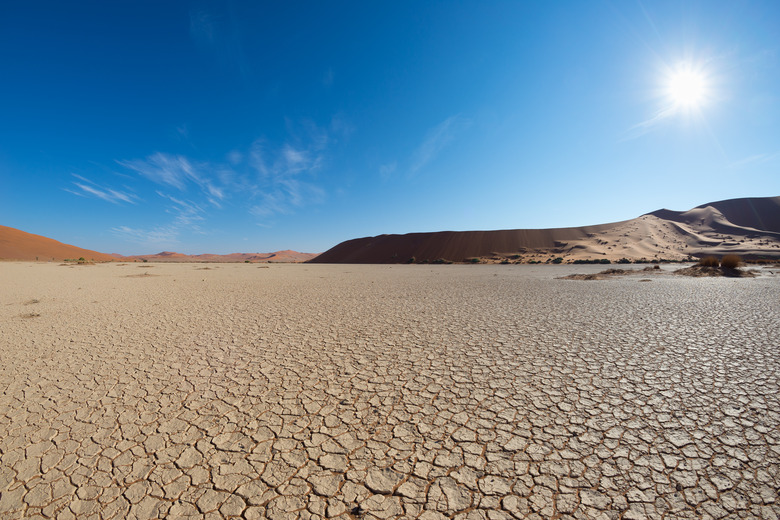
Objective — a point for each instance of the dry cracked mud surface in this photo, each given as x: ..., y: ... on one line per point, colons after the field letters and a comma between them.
x: 322, y: 391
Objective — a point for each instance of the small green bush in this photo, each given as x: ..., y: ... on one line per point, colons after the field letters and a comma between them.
x: 557, y: 260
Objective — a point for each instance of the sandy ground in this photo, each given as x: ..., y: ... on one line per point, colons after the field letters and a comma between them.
x: 386, y: 391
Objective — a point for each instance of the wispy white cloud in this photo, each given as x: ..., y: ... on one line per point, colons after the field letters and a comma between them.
x: 285, y: 174
x: 386, y: 171
x: 187, y: 216
x: 177, y: 171
x: 438, y: 138
x: 760, y: 158
x: 297, y: 160
x: 640, y: 129
x: 285, y: 197
x: 163, y: 235
x: 269, y: 204
x: 186, y: 213
x: 88, y: 188
x: 162, y: 169
x: 235, y: 157
x: 268, y: 180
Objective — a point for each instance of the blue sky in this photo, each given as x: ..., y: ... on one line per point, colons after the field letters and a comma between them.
x: 136, y: 127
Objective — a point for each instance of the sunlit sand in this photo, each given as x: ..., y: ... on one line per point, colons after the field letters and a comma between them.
x: 313, y: 391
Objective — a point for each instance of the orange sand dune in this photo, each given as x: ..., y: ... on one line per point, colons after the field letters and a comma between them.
x: 19, y: 245
x: 748, y: 227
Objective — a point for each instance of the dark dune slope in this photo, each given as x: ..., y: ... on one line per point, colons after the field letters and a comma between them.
x: 450, y: 245
x: 749, y: 226
x: 757, y: 213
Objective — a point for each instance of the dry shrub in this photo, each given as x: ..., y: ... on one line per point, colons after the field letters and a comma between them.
x: 709, y: 261
x: 730, y: 261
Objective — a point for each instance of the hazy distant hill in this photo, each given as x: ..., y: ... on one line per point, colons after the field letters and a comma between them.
x: 748, y: 226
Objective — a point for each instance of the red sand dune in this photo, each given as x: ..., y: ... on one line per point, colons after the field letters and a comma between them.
x: 19, y: 245
x: 749, y: 227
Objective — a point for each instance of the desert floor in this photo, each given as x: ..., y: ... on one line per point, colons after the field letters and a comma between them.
x: 283, y: 391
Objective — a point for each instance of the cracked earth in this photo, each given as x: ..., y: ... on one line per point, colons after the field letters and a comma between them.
x: 321, y: 391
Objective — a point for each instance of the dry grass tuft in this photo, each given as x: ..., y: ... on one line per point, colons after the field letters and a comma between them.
x: 709, y: 261
x: 730, y: 261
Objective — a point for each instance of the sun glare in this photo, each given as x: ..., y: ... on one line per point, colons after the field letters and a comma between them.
x: 687, y: 88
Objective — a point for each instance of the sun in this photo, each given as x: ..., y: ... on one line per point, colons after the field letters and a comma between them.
x: 687, y: 88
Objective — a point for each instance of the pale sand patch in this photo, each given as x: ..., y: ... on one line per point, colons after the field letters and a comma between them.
x: 386, y: 392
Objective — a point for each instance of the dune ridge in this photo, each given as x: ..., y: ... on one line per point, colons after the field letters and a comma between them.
x: 20, y: 245
x: 16, y: 244
x: 286, y: 256
x: 749, y: 227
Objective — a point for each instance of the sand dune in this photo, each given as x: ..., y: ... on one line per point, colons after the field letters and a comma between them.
x: 753, y: 213
x: 19, y: 245
x: 286, y: 256
x: 749, y: 227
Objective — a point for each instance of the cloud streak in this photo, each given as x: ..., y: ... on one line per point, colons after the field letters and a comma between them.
x: 177, y: 171
x: 640, y: 129
x: 760, y: 158
x: 162, y: 235
x: 88, y: 188
x: 283, y: 174
x: 436, y: 140
x: 266, y: 181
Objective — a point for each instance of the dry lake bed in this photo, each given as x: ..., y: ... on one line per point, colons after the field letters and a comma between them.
x: 310, y: 391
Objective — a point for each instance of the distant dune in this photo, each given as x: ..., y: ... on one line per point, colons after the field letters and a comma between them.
x: 19, y: 245
x: 278, y: 256
x: 749, y: 227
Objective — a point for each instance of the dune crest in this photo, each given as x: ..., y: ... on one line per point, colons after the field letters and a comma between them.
x: 286, y: 256
x: 20, y: 245
x: 749, y: 227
